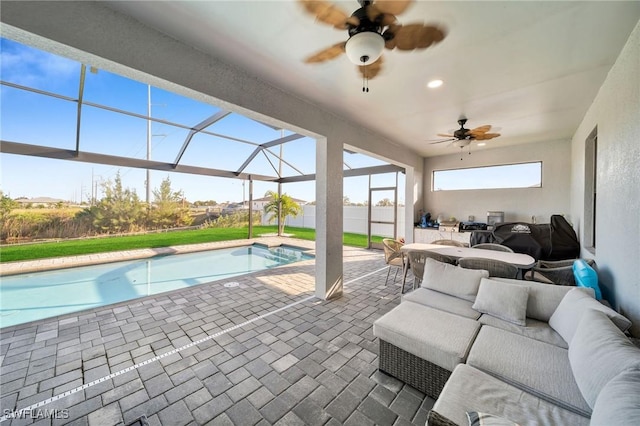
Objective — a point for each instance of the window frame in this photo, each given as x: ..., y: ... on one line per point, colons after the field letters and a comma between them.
x: 433, y: 177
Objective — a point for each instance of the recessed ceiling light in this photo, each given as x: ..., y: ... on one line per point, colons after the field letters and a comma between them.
x: 434, y: 83
x: 482, y: 144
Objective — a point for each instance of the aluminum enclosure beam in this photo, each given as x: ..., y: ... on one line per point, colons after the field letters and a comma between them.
x: 363, y: 171
x: 197, y: 129
x: 8, y: 147
x: 265, y: 145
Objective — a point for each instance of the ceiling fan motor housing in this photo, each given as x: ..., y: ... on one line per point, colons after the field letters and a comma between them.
x: 366, y: 24
x: 462, y: 133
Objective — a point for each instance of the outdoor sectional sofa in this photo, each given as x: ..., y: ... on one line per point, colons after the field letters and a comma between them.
x: 511, y: 351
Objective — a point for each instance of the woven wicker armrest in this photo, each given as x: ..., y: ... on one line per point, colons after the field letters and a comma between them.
x: 560, y: 276
x: 436, y: 419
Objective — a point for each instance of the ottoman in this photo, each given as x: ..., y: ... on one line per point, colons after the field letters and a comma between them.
x: 421, y: 345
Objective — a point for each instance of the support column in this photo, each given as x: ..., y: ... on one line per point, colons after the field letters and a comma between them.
x: 329, y: 226
x: 412, y: 200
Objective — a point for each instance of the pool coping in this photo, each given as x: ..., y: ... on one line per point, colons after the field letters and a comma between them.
x: 47, y: 264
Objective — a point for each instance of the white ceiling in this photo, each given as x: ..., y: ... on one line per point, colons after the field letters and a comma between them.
x: 530, y: 69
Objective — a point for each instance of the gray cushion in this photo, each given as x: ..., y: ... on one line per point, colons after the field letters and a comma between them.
x: 436, y: 336
x: 469, y: 389
x: 543, y: 298
x: 453, y: 280
x: 598, y: 352
x: 567, y: 316
x: 444, y: 302
x: 486, y: 419
x: 533, y: 366
x: 534, y: 329
x: 501, y: 300
x: 619, y: 401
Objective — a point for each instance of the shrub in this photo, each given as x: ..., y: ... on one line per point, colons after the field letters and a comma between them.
x: 233, y: 220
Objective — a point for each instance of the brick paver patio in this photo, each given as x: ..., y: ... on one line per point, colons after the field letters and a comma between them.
x: 312, y: 363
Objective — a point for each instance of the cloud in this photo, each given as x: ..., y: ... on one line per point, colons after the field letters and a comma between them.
x: 28, y: 66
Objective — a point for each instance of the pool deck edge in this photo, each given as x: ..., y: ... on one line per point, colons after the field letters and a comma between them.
x: 22, y: 267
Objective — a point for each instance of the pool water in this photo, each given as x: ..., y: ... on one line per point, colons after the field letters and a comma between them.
x: 34, y: 296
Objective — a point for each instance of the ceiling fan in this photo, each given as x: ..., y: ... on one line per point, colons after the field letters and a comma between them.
x: 463, y: 137
x: 372, y: 28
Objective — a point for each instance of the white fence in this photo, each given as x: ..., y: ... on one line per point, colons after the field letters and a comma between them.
x: 354, y: 220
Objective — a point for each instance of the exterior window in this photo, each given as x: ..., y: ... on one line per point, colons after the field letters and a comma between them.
x: 523, y: 175
x: 590, y: 190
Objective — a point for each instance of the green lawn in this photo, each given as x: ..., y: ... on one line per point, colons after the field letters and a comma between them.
x: 166, y: 239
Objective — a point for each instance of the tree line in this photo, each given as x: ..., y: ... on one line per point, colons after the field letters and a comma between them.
x: 120, y: 210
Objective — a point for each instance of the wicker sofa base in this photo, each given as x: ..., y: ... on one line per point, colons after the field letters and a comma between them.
x: 414, y: 371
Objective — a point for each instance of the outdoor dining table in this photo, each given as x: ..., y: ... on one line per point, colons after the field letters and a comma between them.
x: 520, y: 260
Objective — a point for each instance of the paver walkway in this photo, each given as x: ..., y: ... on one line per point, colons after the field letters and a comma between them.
x: 267, y: 352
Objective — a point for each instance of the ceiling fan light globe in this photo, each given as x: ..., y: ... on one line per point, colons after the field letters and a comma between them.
x: 364, y: 48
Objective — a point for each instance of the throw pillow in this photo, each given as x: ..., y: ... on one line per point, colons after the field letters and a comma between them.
x: 567, y: 315
x: 586, y: 276
x: 599, y: 352
x: 452, y: 280
x: 484, y: 419
x: 618, y: 402
x: 501, y: 300
x: 543, y: 298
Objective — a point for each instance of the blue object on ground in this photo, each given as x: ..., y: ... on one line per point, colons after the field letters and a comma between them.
x: 586, y: 276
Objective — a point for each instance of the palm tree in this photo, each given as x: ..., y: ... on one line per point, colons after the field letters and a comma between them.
x: 281, y: 207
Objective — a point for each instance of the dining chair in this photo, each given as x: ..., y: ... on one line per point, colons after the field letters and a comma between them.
x: 417, y: 259
x: 449, y: 243
x: 493, y: 246
x: 496, y: 268
x: 393, y: 256
x: 559, y: 272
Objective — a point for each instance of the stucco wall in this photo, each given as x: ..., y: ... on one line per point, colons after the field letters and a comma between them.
x: 616, y: 114
x: 518, y: 204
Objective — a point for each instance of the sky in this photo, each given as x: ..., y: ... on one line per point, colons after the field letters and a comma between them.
x: 35, y: 119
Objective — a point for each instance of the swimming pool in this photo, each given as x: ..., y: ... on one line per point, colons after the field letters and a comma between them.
x: 33, y: 296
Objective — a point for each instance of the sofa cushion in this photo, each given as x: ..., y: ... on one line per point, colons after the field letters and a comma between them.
x: 501, y: 300
x: 469, y: 389
x: 533, y: 366
x: 567, y: 316
x: 543, y: 298
x: 453, y: 280
x: 439, y: 337
x: 618, y: 402
x: 598, y: 352
x: 534, y: 329
x: 441, y: 301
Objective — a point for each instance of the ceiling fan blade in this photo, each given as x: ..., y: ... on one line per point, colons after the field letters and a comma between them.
x: 394, y: 7
x: 327, y: 54
x: 417, y: 36
x: 384, y: 19
x: 486, y: 136
x: 443, y: 141
x: 329, y: 13
x: 444, y: 135
x: 390, y: 35
x: 481, y: 129
x: 372, y: 70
